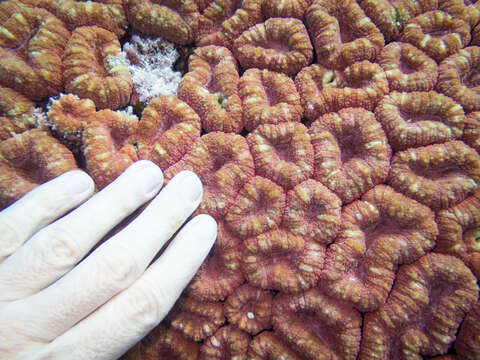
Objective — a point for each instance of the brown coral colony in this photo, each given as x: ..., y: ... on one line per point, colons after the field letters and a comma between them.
x: 337, y: 143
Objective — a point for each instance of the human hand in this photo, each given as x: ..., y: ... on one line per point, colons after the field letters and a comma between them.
x: 53, y: 308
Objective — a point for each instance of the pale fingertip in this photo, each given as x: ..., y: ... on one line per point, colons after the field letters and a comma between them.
x: 77, y: 182
x: 191, y: 185
x: 149, y: 174
x: 207, y: 227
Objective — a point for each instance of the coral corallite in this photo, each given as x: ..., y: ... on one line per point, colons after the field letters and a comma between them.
x: 338, y: 144
x: 92, y: 69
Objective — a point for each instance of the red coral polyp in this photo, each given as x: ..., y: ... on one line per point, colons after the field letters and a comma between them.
x: 167, y: 130
x: 438, y: 176
x: 342, y: 34
x: 278, y: 44
x: 379, y: 232
x: 408, y: 68
x: 458, y: 78
x: 437, y: 33
x: 32, y: 43
x: 211, y: 89
x: 317, y: 326
x: 313, y: 211
x: 352, y: 154
x: 250, y: 309
x: 30, y: 159
x: 268, y: 98
x: 282, y: 153
x: 420, y: 118
x: 321, y: 90
x: 423, y: 312
x: 107, y: 147
x: 280, y: 260
x: 258, y: 208
x: 224, y: 164
x: 93, y: 68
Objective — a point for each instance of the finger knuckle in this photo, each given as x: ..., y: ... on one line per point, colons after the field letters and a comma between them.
x: 58, y: 247
x: 144, y: 309
x: 119, y: 268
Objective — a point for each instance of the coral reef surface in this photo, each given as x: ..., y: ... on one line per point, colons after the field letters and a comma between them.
x: 338, y: 145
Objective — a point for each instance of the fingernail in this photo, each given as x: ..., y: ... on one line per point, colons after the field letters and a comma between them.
x: 191, y: 186
x: 78, y: 182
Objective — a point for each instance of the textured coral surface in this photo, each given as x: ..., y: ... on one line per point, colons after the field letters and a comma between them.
x: 337, y: 142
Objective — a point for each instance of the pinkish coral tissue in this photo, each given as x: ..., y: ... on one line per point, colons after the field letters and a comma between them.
x: 337, y: 142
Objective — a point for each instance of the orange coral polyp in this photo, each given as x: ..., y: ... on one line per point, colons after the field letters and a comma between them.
x: 280, y: 260
x: 107, y: 147
x: 224, y: 164
x: 459, y: 228
x: 69, y: 115
x: 30, y: 159
x: 313, y: 211
x: 408, y: 68
x: 448, y: 35
x: 351, y: 152
x: 227, y: 342
x: 278, y: 44
x: 170, y: 20
x: 282, y: 153
x: 342, y: 34
x: 108, y: 14
x: 420, y: 118
x: 32, y: 42
x: 167, y: 130
x: 379, y: 232
x: 197, y: 320
x: 211, y: 89
x: 268, y: 98
x: 423, y: 312
x: 285, y: 8
x: 219, y: 275
x: 458, y: 78
x: 16, y: 113
x: 258, y: 208
x: 233, y: 19
x: 250, y: 309
x: 467, y: 345
x: 322, y: 91
x: 317, y: 326
x: 471, y: 132
x: 267, y: 346
x: 93, y: 68
x: 438, y: 176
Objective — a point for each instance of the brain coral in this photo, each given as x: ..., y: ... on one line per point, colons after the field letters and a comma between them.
x: 337, y: 142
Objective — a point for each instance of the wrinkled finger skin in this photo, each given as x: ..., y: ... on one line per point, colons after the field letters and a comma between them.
x: 63, y: 311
